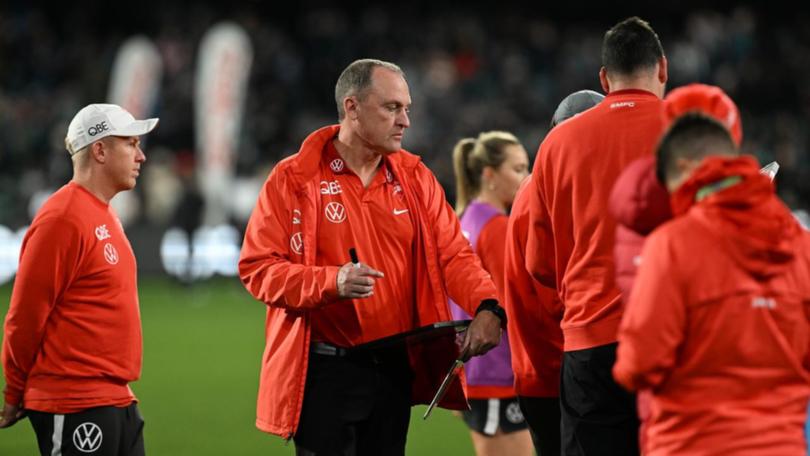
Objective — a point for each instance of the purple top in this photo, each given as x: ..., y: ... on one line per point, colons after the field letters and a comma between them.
x: 494, y: 368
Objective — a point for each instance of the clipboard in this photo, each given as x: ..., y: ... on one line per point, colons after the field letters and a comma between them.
x: 421, y: 334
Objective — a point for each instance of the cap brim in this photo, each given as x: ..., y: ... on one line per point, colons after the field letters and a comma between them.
x: 137, y: 128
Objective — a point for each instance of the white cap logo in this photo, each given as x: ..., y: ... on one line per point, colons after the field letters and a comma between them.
x: 98, y: 121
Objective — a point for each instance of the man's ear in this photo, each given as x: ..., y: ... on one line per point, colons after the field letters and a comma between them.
x: 98, y: 151
x: 684, y: 165
x: 663, y: 70
x: 350, y: 105
x: 603, y: 79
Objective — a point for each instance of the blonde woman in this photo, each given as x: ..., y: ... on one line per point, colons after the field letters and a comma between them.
x: 489, y: 170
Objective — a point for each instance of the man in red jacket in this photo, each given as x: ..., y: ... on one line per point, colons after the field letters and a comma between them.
x: 717, y: 325
x: 640, y: 203
x: 73, y: 331
x: 570, y: 242
x: 535, y: 337
x: 352, y: 186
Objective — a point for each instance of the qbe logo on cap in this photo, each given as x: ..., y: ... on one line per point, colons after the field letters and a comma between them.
x: 98, y: 128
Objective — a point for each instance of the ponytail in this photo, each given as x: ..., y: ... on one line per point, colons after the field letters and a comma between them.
x: 466, y: 184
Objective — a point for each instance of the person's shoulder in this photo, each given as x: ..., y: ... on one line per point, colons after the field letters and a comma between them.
x: 63, y: 214
x: 683, y: 233
x: 412, y: 166
x: 407, y: 161
x: 572, y: 131
x: 496, y: 226
x: 285, y: 165
x: 68, y: 204
x: 304, y: 163
x: 804, y: 241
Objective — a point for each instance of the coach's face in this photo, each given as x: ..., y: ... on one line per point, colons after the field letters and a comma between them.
x: 124, y: 161
x: 381, y: 115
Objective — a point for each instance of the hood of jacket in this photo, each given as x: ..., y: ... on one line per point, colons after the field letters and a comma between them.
x: 736, y: 202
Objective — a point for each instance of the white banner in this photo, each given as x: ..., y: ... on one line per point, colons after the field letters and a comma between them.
x: 223, y: 68
x: 134, y: 85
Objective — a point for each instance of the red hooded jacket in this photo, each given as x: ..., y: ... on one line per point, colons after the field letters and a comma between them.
x: 639, y: 203
x: 277, y: 266
x: 717, y: 323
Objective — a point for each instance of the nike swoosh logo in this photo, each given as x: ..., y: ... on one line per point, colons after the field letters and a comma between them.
x: 400, y: 211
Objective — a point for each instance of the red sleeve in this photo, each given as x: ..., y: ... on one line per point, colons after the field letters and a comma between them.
x: 654, y: 320
x: 49, y: 256
x: 465, y: 278
x: 540, y: 247
x: 265, y: 264
x: 491, y: 249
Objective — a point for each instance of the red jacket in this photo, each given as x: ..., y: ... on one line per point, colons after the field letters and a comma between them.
x: 639, y: 203
x: 717, y: 324
x: 277, y: 267
x: 534, y: 311
x: 571, y: 235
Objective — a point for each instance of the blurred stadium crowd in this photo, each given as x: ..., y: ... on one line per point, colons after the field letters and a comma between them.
x: 468, y: 70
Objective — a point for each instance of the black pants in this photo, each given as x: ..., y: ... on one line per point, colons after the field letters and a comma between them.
x: 543, y: 416
x: 100, y: 431
x: 354, y: 405
x: 598, y: 416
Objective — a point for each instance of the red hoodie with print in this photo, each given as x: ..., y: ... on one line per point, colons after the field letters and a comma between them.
x: 717, y: 325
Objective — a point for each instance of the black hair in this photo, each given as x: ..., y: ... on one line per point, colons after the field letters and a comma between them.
x: 692, y: 136
x: 629, y: 46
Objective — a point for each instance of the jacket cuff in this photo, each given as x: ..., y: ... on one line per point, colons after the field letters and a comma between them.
x: 13, y: 396
x: 623, y: 378
x: 330, y: 292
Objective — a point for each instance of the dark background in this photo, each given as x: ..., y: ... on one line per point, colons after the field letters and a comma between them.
x: 470, y: 68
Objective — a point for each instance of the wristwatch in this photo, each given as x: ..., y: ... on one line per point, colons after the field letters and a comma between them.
x: 492, y: 306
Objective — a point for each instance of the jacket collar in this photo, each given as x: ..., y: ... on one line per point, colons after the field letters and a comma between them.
x: 631, y: 93
x: 305, y: 165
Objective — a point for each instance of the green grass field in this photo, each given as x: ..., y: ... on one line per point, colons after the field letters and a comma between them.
x: 202, y: 348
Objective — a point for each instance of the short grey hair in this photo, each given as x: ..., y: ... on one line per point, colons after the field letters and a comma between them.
x: 356, y: 78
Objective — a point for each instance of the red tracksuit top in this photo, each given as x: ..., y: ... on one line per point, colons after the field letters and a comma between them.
x: 535, y: 338
x: 571, y: 233
x: 717, y: 322
x: 73, y: 330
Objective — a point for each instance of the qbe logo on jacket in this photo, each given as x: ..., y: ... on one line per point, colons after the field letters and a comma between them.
x: 87, y: 437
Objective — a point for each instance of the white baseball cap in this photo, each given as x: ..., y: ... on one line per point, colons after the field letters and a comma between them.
x: 96, y: 121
